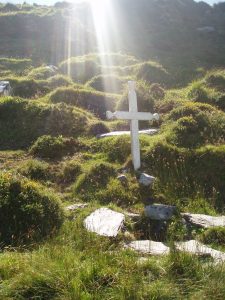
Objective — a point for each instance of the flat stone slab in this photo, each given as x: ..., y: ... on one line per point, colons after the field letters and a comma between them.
x: 149, y: 247
x: 119, y: 133
x: 105, y: 222
x: 160, y: 212
x: 197, y: 248
x: 74, y: 207
x: 204, y: 221
x: 146, y: 179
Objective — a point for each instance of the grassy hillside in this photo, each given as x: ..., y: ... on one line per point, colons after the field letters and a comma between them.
x: 50, y: 157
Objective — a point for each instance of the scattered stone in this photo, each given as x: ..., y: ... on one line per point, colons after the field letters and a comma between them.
x: 149, y: 247
x: 76, y: 206
x: 132, y: 216
x: 5, y: 88
x: 204, y: 221
x: 146, y: 179
x: 119, y: 133
x: 160, y: 212
x: 122, y: 179
x: 105, y: 222
x: 195, y: 247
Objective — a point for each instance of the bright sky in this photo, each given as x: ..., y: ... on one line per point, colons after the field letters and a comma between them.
x: 49, y: 2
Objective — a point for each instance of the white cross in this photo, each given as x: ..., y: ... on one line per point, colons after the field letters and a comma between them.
x: 134, y: 116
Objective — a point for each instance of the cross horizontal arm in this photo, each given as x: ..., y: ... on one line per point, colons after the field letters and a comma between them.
x: 124, y: 115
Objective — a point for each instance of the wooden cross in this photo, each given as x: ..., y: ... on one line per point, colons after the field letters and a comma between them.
x: 134, y: 116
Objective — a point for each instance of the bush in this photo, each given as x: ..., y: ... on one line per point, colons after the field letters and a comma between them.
x: 59, y: 81
x: 216, y: 80
x: 153, y: 73
x: 157, y: 91
x: 144, y: 96
x: 107, y: 83
x: 29, y: 88
x: 97, y: 128
x: 80, y: 69
x: 213, y: 235
x: 93, y: 101
x: 35, y: 169
x: 27, y: 211
x: 23, y: 121
x: 93, y: 180
x: 70, y: 171
x: 41, y: 73
x: 54, y: 147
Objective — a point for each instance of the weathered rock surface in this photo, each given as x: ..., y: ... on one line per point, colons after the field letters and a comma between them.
x: 76, y: 206
x: 132, y: 216
x: 160, y: 212
x: 146, y: 179
x: 122, y: 178
x: 149, y: 247
x: 195, y: 247
x: 204, y: 221
x: 105, y: 222
x: 119, y: 133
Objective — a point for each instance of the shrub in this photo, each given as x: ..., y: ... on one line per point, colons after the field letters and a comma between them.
x: 43, y: 72
x: 216, y: 80
x: 94, y: 179
x: 97, y: 128
x: 107, y: 83
x: 93, y: 101
x: 59, y: 81
x: 27, y: 211
x: 145, y: 99
x: 23, y: 121
x: 157, y: 91
x: 80, y: 69
x: 70, y: 171
x: 153, y: 73
x: 54, y: 147
x: 28, y: 88
x: 213, y: 235
x: 35, y: 169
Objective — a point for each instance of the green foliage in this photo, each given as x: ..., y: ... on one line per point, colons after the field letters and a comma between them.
x: 35, y: 169
x: 214, y: 235
x: 70, y: 171
x: 27, y: 211
x: 54, y: 147
x: 37, y: 119
x: 96, y: 102
x: 152, y: 73
x: 43, y: 72
x: 28, y: 88
x: 80, y: 69
x: 59, y: 81
x: 97, y: 128
x: 107, y: 83
x: 94, y: 179
x: 17, y: 65
x: 216, y: 79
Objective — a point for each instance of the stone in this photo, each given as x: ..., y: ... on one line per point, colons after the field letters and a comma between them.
x: 105, y: 222
x: 146, y: 179
x: 149, y: 247
x: 74, y: 207
x: 132, y: 216
x: 160, y: 212
x: 134, y: 117
x: 197, y: 248
x: 204, y: 221
x: 120, y: 133
x: 5, y: 88
x: 122, y: 179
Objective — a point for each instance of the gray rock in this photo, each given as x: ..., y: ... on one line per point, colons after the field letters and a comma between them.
x: 119, y: 133
x: 204, y: 221
x: 105, y: 222
x: 122, y: 179
x: 195, y: 247
x: 76, y: 206
x: 149, y: 247
x: 146, y: 179
x: 160, y: 212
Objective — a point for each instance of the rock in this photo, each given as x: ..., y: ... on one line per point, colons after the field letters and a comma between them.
x: 146, y: 179
x: 132, y: 216
x: 160, y: 212
x: 119, y: 133
x: 122, y: 179
x: 204, y: 221
x: 105, y: 222
x: 195, y: 247
x: 149, y: 247
x: 76, y: 206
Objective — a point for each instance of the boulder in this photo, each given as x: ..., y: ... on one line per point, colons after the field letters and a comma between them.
x: 146, y: 179
x: 105, y: 222
x: 76, y: 206
x: 204, y: 221
x: 160, y: 212
x: 149, y: 247
x: 195, y: 247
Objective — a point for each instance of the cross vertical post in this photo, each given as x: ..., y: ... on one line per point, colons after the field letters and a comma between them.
x: 134, y: 128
